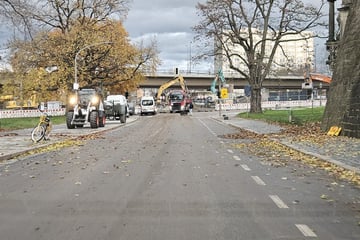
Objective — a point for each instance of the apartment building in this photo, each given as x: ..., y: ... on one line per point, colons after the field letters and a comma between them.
x: 296, y: 50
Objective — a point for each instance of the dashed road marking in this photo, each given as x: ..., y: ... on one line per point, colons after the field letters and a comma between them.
x: 305, y: 230
x: 245, y: 167
x: 230, y: 151
x: 208, y: 128
x: 278, y: 201
x: 258, y: 180
x: 237, y: 158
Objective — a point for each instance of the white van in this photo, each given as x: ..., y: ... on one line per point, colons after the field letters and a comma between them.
x: 147, y: 105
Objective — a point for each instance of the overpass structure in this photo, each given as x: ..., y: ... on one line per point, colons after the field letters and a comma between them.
x: 203, y: 81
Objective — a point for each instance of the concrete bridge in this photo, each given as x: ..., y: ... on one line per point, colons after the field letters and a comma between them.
x: 203, y: 81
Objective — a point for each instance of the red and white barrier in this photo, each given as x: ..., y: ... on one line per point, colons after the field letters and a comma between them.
x: 30, y: 113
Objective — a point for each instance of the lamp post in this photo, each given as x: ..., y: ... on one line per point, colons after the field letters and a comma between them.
x: 76, y: 84
x: 331, y: 43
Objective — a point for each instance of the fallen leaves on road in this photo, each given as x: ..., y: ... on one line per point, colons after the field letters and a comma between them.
x: 269, y: 149
x: 53, y: 147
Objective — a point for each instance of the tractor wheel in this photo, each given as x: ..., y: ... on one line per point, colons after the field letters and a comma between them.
x: 94, y: 119
x: 123, y: 118
x: 69, y: 117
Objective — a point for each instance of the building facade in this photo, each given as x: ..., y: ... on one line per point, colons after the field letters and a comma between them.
x: 294, y: 52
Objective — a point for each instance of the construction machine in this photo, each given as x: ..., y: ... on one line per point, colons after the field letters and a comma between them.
x: 178, y: 79
x: 219, y: 77
x: 30, y: 103
x: 85, y: 106
x: 178, y: 100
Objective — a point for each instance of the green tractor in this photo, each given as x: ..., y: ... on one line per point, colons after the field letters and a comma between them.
x: 85, y: 106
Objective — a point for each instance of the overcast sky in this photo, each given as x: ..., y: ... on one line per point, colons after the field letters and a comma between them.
x: 170, y: 22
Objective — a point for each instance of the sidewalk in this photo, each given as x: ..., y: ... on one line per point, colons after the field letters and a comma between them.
x: 17, y: 142
x: 342, y: 151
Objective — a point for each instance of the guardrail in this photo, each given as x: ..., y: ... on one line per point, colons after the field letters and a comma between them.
x: 30, y: 113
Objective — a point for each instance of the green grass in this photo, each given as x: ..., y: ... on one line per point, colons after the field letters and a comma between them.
x: 299, y: 116
x: 30, y: 122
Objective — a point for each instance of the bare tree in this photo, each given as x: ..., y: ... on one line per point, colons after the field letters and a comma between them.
x: 234, y: 24
x: 61, y: 14
x: 15, y: 12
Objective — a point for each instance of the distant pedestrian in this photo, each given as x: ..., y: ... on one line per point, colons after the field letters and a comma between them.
x: 191, y: 106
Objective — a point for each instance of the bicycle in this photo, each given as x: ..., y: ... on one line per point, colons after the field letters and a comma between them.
x: 43, y: 128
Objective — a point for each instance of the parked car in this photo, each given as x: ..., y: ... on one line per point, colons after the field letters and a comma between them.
x: 147, y: 105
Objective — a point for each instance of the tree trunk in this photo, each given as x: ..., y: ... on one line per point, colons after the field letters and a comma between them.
x: 255, y: 100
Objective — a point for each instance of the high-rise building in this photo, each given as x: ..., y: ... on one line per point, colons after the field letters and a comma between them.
x: 294, y: 52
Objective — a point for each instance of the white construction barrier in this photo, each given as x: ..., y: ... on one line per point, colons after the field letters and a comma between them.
x: 30, y: 113
x: 272, y: 105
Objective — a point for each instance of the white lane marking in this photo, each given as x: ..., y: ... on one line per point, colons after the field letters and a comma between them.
x: 208, y: 128
x: 237, y: 158
x: 245, y: 167
x: 278, y: 201
x: 305, y: 230
x: 258, y: 180
x: 230, y: 151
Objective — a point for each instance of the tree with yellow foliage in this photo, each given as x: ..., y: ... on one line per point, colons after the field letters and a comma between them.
x: 45, y: 61
x: 104, y: 55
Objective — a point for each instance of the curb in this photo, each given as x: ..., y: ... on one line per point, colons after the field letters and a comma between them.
x: 10, y: 156
x: 322, y: 157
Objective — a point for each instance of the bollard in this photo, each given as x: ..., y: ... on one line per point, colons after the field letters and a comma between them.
x: 290, y: 116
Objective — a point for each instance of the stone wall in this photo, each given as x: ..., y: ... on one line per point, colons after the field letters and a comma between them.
x: 343, y: 105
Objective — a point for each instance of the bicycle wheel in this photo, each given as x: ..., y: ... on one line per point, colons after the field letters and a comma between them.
x: 38, y: 133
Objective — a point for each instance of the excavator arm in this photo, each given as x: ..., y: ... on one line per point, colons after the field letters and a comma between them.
x: 218, y: 76
x: 178, y: 79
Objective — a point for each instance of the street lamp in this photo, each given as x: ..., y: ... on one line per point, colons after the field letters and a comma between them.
x: 76, y: 84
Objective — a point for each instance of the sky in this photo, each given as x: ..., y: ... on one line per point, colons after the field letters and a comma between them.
x: 170, y: 22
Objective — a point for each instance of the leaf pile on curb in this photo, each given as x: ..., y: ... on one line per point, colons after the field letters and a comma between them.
x: 54, y: 147
x: 269, y: 149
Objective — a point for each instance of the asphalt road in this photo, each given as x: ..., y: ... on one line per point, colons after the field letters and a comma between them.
x: 170, y: 177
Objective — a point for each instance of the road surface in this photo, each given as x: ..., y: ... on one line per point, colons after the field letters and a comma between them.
x: 170, y: 177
